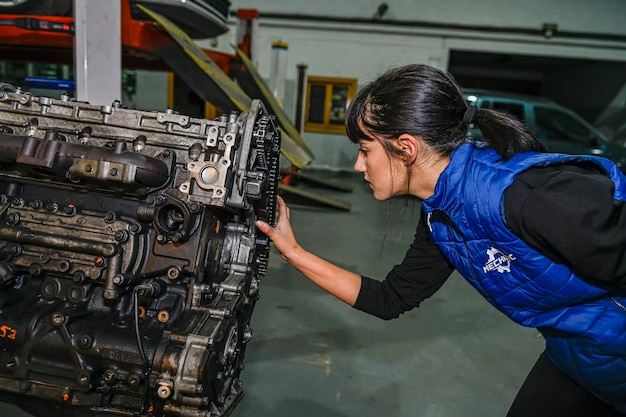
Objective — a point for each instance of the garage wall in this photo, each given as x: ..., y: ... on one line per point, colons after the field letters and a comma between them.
x: 335, y: 46
x: 603, y: 16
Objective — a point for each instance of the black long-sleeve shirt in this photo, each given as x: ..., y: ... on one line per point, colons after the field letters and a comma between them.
x: 566, y: 212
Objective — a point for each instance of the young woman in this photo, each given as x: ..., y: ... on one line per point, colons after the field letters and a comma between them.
x: 540, y: 235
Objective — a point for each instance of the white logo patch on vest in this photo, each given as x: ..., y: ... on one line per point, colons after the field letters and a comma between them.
x: 498, y: 261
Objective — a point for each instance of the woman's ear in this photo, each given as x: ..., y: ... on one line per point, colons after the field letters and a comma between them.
x: 408, y: 146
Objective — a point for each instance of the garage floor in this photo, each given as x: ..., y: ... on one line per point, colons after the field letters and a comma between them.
x: 313, y: 356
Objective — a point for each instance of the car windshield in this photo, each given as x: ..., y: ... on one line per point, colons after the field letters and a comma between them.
x: 554, y: 123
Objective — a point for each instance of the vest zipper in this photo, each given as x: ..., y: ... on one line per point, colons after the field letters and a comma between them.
x: 618, y: 304
x: 440, y: 216
x: 483, y: 292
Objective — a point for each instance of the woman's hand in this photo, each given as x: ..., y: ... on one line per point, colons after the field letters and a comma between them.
x: 341, y: 283
x: 282, y: 234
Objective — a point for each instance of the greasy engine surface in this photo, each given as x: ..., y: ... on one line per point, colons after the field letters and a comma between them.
x: 129, y: 259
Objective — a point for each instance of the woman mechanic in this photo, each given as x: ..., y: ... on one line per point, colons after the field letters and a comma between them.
x: 539, y: 235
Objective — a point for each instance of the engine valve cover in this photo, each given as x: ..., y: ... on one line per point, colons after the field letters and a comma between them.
x: 129, y: 258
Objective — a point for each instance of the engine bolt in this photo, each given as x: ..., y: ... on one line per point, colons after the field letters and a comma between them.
x: 121, y: 236
x: 79, y: 277
x: 14, y: 249
x: 164, y: 391
x: 35, y: 270
x: 163, y: 316
x: 70, y: 210
x: 109, y: 375
x: 63, y: 266
x: 84, y: 342
x: 13, y: 219
x: 110, y: 217
x: 83, y: 378
x: 57, y: 319
x: 133, y: 380
x: 52, y: 207
x: 173, y: 273
x: 139, y: 143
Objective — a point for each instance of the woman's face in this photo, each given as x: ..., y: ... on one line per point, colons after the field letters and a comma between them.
x: 382, y: 172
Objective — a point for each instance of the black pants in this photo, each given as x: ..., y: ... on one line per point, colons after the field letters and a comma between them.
x: 548, y: 392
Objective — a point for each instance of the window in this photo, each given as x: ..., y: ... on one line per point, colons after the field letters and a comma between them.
x: 327, y: 102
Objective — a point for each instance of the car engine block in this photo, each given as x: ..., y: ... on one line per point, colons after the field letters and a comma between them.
x: 129, y: 258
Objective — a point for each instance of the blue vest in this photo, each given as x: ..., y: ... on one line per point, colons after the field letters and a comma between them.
x: 584, y: 325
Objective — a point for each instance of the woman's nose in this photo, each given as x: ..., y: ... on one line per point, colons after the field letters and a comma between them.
x: 359, y: 166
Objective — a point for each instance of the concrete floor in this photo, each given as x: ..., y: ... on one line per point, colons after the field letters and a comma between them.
x: 313, y: 356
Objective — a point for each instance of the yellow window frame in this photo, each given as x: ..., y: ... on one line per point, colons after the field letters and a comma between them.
x: 327, y: 99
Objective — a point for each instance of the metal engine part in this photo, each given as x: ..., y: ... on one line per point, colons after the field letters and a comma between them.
x: 129, y: 258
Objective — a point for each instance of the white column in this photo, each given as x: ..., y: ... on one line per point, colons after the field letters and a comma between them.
x: 98, y: 50
x: 278, y: 70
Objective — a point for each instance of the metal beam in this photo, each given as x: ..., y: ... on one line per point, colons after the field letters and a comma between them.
x: 98, y: 50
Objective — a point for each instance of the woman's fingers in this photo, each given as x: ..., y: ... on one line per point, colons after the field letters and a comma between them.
x: 282, y: 206
x: 264, y: 227
x: 281, y: 233
x: 282, y: 212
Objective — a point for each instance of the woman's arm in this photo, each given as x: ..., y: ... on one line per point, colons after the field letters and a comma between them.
x: 421, y: 273
x: 339, y: 282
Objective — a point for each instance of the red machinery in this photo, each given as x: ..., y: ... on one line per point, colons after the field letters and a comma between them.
x: 50, y: 39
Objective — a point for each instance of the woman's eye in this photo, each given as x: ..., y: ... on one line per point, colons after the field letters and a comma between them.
x: 363, y: 151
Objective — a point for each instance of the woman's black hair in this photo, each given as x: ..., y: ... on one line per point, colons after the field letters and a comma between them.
x: 424, y: 101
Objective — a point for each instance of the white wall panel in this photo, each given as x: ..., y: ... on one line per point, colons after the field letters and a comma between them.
x: 603, y: 16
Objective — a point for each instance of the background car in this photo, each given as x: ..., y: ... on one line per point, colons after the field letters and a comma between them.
x: 561, y: 129
x: 613, y: 126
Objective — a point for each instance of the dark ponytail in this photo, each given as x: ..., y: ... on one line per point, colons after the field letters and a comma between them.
x: 423, y: 101
x: 505, y: 133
